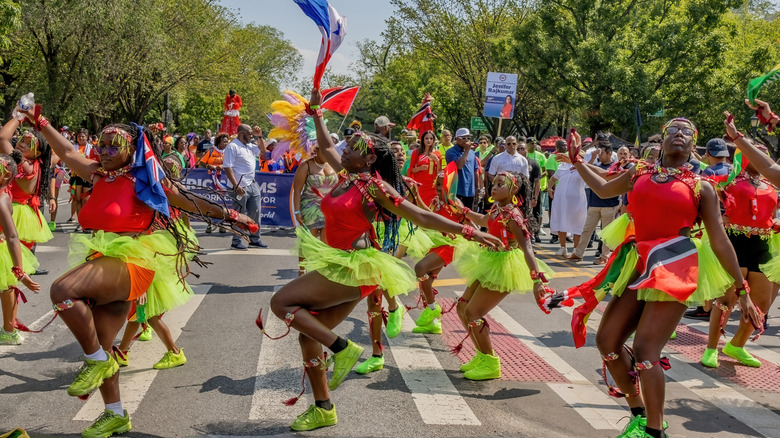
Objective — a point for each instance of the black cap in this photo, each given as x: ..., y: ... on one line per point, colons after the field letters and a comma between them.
x: 349, y: 131
x: 717, y: 148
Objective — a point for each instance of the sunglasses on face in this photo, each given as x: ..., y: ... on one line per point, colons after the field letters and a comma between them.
x: 111, y: 151
x: 675, y: 129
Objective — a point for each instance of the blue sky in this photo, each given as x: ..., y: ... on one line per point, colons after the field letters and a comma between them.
x: 365, y: 19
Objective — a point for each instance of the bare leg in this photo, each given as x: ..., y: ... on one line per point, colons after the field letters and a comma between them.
x: 461, y: 307
x: 761, y: 294
x: 562, y: 238
x: 576, y: 240
x: 165, y: 335
x: 374, y: 304
x: 430, y: 265
x: 713, y: 336
x: 130, y: 331
x: 108, y: 319
x: 659, y: 319
x: 10, y: 307
x: 482, y: 302
x: 618, y: 322
x: 392, y: 304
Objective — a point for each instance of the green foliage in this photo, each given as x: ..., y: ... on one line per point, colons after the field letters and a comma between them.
x: 10, y: 12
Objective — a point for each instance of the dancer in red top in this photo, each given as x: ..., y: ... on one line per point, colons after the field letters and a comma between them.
x: 231, y: 121
x: 351, y: 264
x: 751, y: 204
x: 655, y: 273
x: 122, y: 259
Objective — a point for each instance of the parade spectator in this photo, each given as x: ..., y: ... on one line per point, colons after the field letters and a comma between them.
x: 483, y: 147
x: 205, y: 145
x: 509, y: 160
x: 604, y: 210
x: 424, y: 167
x: 535, y: 178
x: 383, y: 126
x: 212, y: 157
x: 239, y: 164
x: 446, y: 143
x: 717, y: 157
x: 169, y: 150
x: 623, y: 154
x: 551, y: 166
x: 469, y: 186
x: 569, y: 208
x: 348, y: 133
x: 187, y: 157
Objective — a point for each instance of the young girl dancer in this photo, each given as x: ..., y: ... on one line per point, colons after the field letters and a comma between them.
x: 16, y: 261
x: 493, y: 274
x: 657, y: 272
x: 751, y: 203
x: 123, y: 258
x: 350, y: 265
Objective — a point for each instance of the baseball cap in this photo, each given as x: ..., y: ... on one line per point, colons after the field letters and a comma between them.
x: 383, y: 121
x: 717, y: 148
x: 462, y: 132
x: 348, y: 132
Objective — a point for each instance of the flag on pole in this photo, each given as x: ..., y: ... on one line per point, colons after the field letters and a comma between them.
x: 339, y: 99
x: 422, y: 121
x: 740, y: 164
x: 148, y: 175
x: 333, y: 28
x: 450, y: 183
x: 755, y: 84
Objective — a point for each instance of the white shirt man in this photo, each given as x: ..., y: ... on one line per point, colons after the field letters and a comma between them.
x: 508, y: 161
x: 242, y: 159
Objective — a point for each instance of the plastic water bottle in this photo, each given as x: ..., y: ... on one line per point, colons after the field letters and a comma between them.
x: 140, y: 313
x: 26, y: 103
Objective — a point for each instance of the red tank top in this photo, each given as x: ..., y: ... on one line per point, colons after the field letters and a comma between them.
x: 661, y: 209
x: 443, y: 209
x: 345, y: 219
x: 17, y: 194
x: 114, y: 207
x: 498, y: 224
x: 748, y: 206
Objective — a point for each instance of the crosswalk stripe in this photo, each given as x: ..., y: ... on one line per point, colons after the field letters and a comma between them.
x: 136, y: 379
x: 727, y: 399
x: 436, y: 398
x: 249, y: 251
x: 598, y: 409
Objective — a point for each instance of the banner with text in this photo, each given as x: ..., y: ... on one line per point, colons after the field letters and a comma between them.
x: 500, y: 95
x: 276, y: 190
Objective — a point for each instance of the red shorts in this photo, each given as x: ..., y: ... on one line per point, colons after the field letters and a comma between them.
x: 367, y: 290
x: 445, y: 252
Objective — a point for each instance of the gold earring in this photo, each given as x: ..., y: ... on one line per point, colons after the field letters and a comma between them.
x: 514, y: 199
x: 490, y: 200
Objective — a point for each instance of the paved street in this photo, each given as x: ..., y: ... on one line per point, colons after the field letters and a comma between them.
x: 235, y: 380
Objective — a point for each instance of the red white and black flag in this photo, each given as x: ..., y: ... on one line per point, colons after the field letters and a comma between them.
x: 339, y: 99
x: 422, y: 121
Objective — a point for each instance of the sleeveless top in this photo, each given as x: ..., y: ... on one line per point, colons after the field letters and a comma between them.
x: 114, y: 207
x: 750, y: 210
x: 345, y: 220
x: 498, y: 224
x: 662, y: 209
x: 18, y: 195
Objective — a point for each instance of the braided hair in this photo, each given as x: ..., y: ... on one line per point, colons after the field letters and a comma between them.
x: 525, y: 194
x: 387, y: 168
x: 44, y: 154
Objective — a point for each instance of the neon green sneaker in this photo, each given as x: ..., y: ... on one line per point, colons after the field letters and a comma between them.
x: 146, y: 335
x: 427, y: 316
x: 343, y: 362
x: 315, y: 418
x: 370, y: 365
x: 123, y: 362
x: 710, y: 358
x: 673, y: 336
x: 107, y: 424
x: 635, y: 428
x: 741, y: 355
x: 432, y: 328
x: 11, y: 338
x: 52, y: 226
x: 472, y: 363
x: 486, y: 369
x: 171, y: 360
x: 395, y: 321
x: 92, y: 374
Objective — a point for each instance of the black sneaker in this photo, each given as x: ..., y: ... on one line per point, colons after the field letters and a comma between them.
x: 554, y: 238
x: 40, y: 272
x: 698, y: 313
x: 537, y: 239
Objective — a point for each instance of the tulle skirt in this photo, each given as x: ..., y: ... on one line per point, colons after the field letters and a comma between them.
x: 617, y: 231
x: 364, y: 267
x: 772, y: 268
x: 31, y: 226
x: 503, y: 271
x: 7, y: 277
x: 155, y: 252
x: 416, y: 240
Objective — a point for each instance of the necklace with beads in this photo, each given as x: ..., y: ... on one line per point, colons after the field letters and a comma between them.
x: 112, y: 175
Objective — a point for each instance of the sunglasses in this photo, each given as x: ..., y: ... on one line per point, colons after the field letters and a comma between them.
x: 675, y: 129
x: 111, y: 151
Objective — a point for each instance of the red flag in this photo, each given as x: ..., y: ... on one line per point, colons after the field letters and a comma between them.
x: 339, y: 99
x: 422, y: 121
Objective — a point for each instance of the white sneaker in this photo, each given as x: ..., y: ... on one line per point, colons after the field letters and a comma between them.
x: 542, y: 233
x: 562, y: 252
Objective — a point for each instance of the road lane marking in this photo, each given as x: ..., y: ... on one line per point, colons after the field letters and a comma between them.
x: 436, y: 398
x: 135, y: 380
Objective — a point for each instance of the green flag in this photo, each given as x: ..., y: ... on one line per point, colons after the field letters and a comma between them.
x: 755, y: 84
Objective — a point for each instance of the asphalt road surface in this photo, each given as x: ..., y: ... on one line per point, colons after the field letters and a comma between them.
x: 235, y: 380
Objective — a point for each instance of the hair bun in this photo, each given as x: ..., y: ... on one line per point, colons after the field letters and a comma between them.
x: 17, y: 156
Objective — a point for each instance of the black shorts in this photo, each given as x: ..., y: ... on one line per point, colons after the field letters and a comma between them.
x: 78, y: 181
x: 752, y: 251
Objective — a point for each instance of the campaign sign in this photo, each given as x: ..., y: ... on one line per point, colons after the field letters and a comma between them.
x: 500, y: 95
x: 276, y: 192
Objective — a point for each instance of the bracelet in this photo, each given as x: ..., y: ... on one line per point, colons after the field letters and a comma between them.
x: 535, y: 275
x: 537, y: 281
x: 732, y: 139
x: 41, y: 122
x: 745, y: 289
x: 468, y: 232
x: 297, y: 212
x: 313, y: 110
x: 314, y: 107
x: 465, y: 210
x: 18, y: 272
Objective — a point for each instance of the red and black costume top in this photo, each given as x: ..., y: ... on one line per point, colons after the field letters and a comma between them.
x: 114, y: 206
x: 498, y: 223
x: 345, y: 218
x: 750, y: 210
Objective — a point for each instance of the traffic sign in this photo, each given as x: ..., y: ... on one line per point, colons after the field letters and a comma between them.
x: 477, y: 124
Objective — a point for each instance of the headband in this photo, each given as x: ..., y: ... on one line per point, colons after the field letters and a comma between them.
x: 33, y: 141
x: 121, y: 137
x: 684, y: 120
x: 364, y: 143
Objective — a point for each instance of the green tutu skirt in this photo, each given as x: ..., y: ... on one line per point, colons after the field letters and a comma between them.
x: 364, y: 267
x: 7, y: 277
x: 772, y: 268
x: 502, y: 271
x: 156, y: 252
x: 416, y: 241
x: 615, y: 233
x: 713, y: 281
x: 438, y: 239
x: 31, y: 226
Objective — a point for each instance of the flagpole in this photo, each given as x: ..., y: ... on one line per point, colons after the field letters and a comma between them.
x: 348, y: 111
